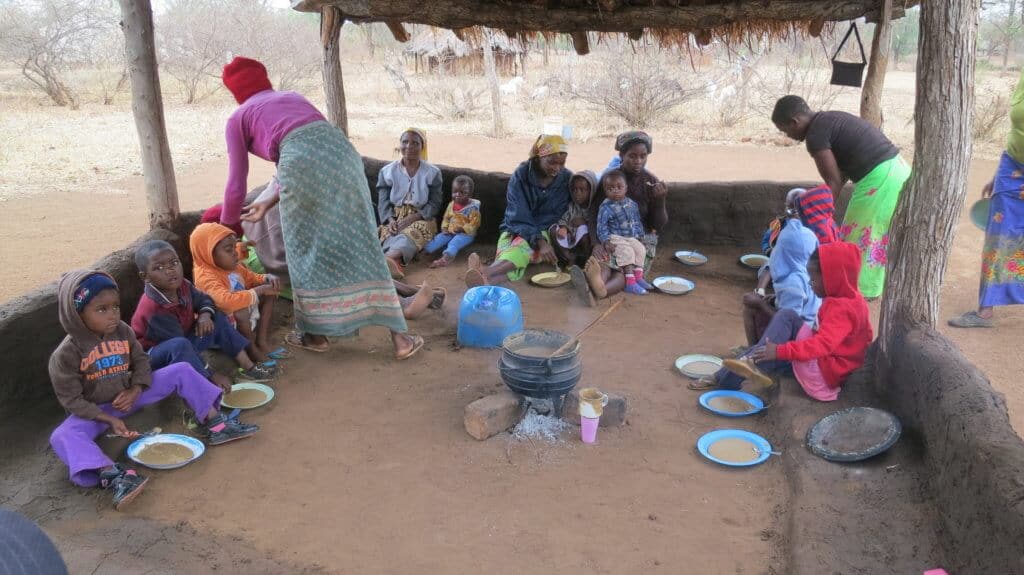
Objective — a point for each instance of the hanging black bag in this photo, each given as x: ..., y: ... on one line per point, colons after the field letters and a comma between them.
x: 849, y: 73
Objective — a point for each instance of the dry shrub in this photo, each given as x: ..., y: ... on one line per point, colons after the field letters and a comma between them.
x: 639, y: 87
x: 990, y: 111
x: 794, y: 75
x: 449, y: 101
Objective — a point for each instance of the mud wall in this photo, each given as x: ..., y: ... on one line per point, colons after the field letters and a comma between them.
x: 708, y: 213
x: 30, y: 329
x: 974, y: 458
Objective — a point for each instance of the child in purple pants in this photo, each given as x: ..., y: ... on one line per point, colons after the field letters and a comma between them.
x: 100, y: 375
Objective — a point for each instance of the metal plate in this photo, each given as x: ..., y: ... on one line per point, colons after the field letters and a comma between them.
x: 854, y: 434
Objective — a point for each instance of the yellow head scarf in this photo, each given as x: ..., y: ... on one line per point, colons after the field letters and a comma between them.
x: 547, y: 145
x: 423, y: 138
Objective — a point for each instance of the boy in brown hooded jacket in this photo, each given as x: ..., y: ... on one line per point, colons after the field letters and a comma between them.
x: 101, y: 375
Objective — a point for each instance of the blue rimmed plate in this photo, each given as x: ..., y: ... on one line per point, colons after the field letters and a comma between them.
x: 706, y: 401
x: 759, y: 446
x: 191, y: 443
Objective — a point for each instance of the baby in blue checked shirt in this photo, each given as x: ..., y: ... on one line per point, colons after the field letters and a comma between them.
x: 620, y: 228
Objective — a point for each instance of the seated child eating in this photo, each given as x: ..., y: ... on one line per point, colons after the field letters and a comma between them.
x: 458, y: 226
x: 573, y: 245
x: 620, y: 228
x: 823, y: 357
x: 101, y: 375
x: 234, y: 288
x: 174, y: 321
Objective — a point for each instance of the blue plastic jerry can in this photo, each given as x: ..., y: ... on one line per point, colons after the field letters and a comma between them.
x: 487, y: 315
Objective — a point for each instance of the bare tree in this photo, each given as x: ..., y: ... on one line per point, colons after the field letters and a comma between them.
x: 492, y: 83
x: 929, y: 207
x: 193, y: 44
x: 639, y: 87
x: 46, y: 39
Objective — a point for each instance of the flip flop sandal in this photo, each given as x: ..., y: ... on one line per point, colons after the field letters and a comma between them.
x: 474, y: 278
x: 702, y: 384
x: 748, y: 371
x: 416, y: 346
x: 280, y: 353
x: 296, y: 339
x: 440, y: 295
x: 969, y: 320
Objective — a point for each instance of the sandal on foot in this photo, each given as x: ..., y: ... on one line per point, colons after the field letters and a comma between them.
x: 298, y: 339
x: 418, y: 303
x: 748, y: 371
x: 702, y: 384
x: 579, y: 282
x: 440, y: 294
x: 970, y: 319
x: 475, y: 278
x: 417, y: 344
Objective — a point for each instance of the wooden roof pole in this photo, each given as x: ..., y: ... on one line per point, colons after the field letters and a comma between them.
x: 331, y: 21
x: 929, y: 207
x: 148, y: 109
x: 581, y: 42
x: 881, y: 46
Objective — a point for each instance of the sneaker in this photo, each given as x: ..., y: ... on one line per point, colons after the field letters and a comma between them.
x: 221, y: 430
x: 126, y: 483
x: 259, y: 373
x: 635, y: 289
x: 640, y: 281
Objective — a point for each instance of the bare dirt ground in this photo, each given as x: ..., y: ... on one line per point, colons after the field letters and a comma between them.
x: 363, y: 465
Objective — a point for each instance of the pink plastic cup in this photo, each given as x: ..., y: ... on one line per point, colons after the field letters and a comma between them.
x: 588, y: 429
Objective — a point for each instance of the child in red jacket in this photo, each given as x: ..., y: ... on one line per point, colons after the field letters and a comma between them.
x: 822, y: 357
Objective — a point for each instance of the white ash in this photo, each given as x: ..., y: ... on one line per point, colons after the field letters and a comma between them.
x: 537, y: 426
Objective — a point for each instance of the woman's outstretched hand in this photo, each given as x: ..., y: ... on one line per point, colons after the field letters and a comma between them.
x: 256, y: 211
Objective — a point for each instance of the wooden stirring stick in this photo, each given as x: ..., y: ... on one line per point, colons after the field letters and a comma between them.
x: 579, y: 334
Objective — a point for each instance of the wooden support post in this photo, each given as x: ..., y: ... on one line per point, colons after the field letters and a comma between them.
x: 148, y: 110
x: 331, y: 21
x: 581, y: 42
x: 929, y: 207
x: 398, y: 31
x: 492, y: 82
x: 881, y: 46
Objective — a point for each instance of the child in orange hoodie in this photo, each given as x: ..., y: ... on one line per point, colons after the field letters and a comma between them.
x: 235, y: 289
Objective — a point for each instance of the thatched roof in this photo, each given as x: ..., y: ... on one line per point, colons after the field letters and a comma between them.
x: 437, y: 42
x: 668, y: 21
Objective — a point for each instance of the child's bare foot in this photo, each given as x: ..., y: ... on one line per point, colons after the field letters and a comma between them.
x: 593, y: 272
x: 419, y: 302
x: 222, y: 381
x: 441, y: 262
